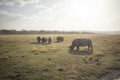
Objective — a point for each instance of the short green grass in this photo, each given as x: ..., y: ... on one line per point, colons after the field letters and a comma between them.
x: 22, y: 58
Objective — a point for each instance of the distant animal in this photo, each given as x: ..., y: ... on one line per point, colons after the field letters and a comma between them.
x: 39, y: 39
x: 44, y: 40
x: 81, y: 42
x: 60, y: 39
x: 49, y: 40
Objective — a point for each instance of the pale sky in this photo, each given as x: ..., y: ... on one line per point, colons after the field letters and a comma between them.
x: 68, y: 15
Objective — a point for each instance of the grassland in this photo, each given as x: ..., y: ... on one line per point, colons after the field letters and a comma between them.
x: 22, y: 58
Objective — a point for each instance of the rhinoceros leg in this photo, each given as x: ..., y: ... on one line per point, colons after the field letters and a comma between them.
x: 88, y: 47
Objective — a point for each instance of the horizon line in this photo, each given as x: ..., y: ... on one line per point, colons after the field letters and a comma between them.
x: 61, y: 30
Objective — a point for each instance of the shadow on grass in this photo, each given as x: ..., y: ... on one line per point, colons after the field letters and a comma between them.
x: 57, y: 42
x: 82, y: 52
x: 39, y: 43
x: 34, y: 43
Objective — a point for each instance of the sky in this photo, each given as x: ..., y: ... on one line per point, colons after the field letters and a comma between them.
x: 65, y: 15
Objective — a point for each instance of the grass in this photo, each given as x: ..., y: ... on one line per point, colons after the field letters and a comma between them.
x: 22, y: 58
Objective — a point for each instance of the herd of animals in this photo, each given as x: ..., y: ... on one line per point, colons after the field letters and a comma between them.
x: 44, y: 40
x: 75, y: 43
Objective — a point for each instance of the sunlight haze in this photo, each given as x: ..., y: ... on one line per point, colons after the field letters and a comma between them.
x: 68, y: 15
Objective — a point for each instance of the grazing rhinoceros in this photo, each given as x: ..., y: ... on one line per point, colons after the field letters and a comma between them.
x: 60, y: 39
x: 81, y: 42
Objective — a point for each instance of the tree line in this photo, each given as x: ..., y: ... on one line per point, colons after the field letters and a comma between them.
x: 7, y: 32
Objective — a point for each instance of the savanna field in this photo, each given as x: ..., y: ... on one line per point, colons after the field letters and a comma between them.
x: 22, y: 58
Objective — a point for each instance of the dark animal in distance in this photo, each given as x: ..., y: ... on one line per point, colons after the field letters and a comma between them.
x: 81, y: 42
x: 44, y: 40
x: 39, y: 39
x: 59, y: 39
x: 49, y: 40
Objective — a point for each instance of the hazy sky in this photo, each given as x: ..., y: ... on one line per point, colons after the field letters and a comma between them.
x: 94, y: 15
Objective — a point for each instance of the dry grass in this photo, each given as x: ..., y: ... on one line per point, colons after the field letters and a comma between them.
x: 22, y: 58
